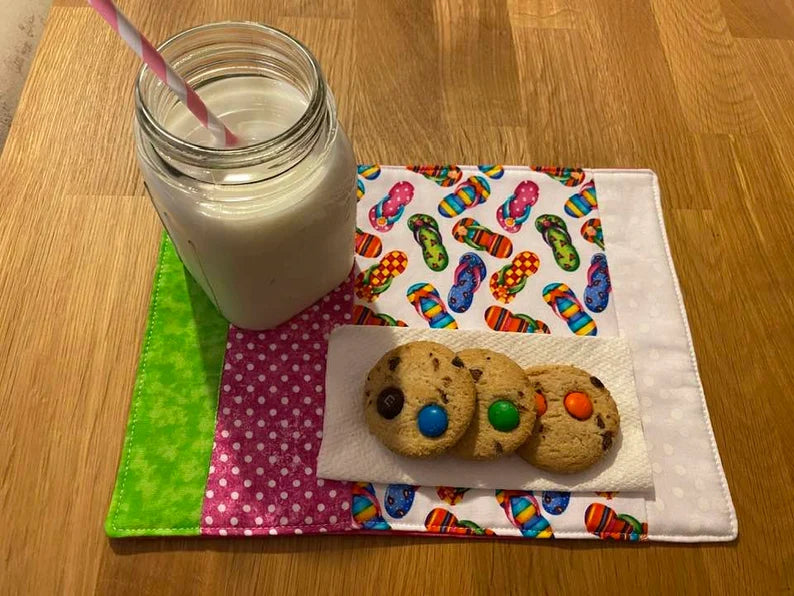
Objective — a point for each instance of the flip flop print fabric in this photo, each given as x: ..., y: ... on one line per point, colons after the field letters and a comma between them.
x: 565, y: 176
x: 512, y: 278
x: 377, y: 279
x: 493, y: 172
x: 512, y: 214
x: 566, y: 305
x: 555, y: 502
x: 387, y: 212
x: 606, y: 524
x: 365, y: 172
x: 427, y: 236
x: 501, y: 319
x: 523, y: 511
x: 363, y: 315
x: 596, y: 294
x: 443, y: 521
x: 470, y: 193
x: 591, y: 231
x: 471, y: 232
x: 452, y: 495
x: 468, y: 276
x: 399, y: 499
x: 555, y: 234
x: 582, y: 202
x: 428, y: 304
x: 369, y: 172
x: 365, y: 508
x: 477, y: 227
x: 444, y: 176
x: 367, y: 245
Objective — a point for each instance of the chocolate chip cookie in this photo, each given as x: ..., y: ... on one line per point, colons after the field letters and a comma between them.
x: 419, y: 399
x: 505, y: 412
x: 577, y: 419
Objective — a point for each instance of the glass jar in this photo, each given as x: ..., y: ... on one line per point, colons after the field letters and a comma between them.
x: 266, y: 228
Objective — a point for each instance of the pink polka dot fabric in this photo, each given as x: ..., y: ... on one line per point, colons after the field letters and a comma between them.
x: 269, y: 427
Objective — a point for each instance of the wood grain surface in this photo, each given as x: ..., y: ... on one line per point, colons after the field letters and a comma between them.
x: 701, y: 91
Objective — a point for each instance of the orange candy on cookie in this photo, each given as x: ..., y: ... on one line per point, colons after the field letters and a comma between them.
x: 578, y: 405
x: 540, y: 403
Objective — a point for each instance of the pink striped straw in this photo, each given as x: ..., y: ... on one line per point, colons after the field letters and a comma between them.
x: 154, y: 60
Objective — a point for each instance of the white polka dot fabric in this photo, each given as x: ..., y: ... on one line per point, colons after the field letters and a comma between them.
x: 690, y: 501
x: 262, y: 475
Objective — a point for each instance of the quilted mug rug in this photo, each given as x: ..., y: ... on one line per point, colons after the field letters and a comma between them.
x: 225, y: 424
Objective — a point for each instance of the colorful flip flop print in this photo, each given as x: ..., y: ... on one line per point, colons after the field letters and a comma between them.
x: 523, y: 511
x: 444, y: 522
x: 555, y: 234
x: 399, y: 499
x: 470, y: 232
x: 566, y: 305
x: 554, y: 502
x: 511, y: 279
x: 583, y: 202
x: 596, y: 294
x: 591, y: 231
x: 367, y: 245
x: 473, y: 191
x: 365, y: 508
x: 427, y: 302
x: 468, y: 276
x: 493, y: 172
x: 606, y: 524
x: 427, y: 236
x: 451, y: 494
x: 501, y: 319
x: 386, y: 212
x: 369, y: 172
x: 360, y: 190
x: 565, y: 176
x: 512, y: 214
x: 366, y: 316
x: 377, y: 279
x: 442, y: 175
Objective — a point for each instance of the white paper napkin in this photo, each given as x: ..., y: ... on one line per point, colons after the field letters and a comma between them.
x: 350, y: 452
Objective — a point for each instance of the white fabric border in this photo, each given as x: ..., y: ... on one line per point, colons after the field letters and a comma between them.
x: 691, y: 500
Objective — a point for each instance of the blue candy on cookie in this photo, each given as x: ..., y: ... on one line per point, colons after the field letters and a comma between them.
x: 432, y: 421
x: 419, y: 400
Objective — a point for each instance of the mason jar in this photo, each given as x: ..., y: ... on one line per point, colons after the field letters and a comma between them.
x: 266, y: 227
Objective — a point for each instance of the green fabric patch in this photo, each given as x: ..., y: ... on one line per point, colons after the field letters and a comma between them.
x: 167, y: 448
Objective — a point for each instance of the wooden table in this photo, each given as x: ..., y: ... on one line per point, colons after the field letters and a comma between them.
x: 702, y: 91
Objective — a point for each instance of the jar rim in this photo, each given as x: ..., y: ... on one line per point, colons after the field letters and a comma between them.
x: 255, y: 152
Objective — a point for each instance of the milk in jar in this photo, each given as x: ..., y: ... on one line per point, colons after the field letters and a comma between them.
x: 266, y: 228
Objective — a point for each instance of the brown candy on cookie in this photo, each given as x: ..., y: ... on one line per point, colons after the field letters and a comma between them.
x: 505, y: 409
x: 418, y: 400
x: 577, y: 423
